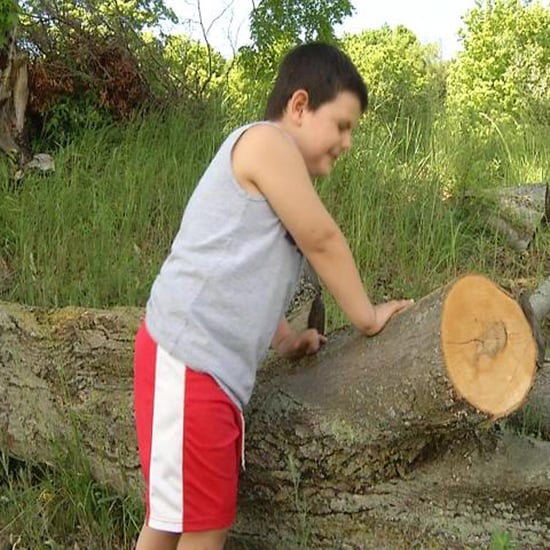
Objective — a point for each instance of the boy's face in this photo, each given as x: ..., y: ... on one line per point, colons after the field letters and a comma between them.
x: 326, y: 133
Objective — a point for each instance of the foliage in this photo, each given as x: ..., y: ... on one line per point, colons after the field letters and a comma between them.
x: 8, y: 19
x: 502, y: 541
x: 55, y: 21
x: 498, y: 93
x: 275, y: 27
x: 94, y: 232
x: 129, y: 186
x: 504, y: 71
x: 248, y: 85
x: 96, y: 62
x: 87, y: 62
x: 291, y: 22
x: 197, y: 67
x: 404, y: 76
x: 114, y: 184
x: 63, y: 507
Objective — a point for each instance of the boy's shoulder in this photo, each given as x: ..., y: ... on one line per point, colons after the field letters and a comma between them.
x: 263, y: 155
x: 264, y: 143
x: 264, y: 129
x: 261, y: 138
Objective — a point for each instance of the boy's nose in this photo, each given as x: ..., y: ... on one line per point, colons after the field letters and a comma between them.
x: 346, y: 141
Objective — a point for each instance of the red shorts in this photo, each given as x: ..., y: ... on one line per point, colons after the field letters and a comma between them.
x: 189, y: 437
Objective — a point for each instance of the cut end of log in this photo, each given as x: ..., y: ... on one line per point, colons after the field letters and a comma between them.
x: 488, y: 345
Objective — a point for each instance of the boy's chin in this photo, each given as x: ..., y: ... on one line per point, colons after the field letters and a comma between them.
x: 322, y: 170
x: 325, y: 172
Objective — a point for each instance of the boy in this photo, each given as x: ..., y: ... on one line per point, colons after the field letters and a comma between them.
x: 220, y: 297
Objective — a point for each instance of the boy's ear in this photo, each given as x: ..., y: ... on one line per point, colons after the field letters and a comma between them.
x: 298, y: 104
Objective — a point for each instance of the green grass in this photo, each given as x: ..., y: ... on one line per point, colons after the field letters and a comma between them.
x: 63, y: 507
x: 95, y: 232
x: 502, y: 541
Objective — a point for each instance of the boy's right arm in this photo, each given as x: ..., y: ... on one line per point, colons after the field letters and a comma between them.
x: 265, y: 158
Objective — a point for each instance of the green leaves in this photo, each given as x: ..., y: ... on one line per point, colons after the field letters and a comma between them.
x: 275, y: 27
x: 504, y: 70
x: 293, y: 22
x: 9, y: 13
x: 100, y: 14
x: 401, y: 73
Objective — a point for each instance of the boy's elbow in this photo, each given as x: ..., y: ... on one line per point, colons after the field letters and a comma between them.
x: 366, y: 321
x: 321, y: 241
x: 369, y: 330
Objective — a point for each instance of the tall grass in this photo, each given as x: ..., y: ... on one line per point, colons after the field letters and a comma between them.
x: 95, y: 232
x: 63, y: 506
x: 398, y: 197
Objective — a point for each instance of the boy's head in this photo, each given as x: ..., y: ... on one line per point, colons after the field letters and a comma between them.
x: 322, y: 70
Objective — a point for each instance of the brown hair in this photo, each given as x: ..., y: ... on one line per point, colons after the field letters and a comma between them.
x: 322, y: 70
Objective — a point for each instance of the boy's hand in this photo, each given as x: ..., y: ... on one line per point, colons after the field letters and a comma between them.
x: 296, y: 346
x: 384, y: 312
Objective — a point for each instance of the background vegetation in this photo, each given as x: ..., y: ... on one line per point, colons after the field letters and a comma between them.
x: 132, y: 116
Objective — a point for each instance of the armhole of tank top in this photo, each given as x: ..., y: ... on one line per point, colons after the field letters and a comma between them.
x: 234, y: 181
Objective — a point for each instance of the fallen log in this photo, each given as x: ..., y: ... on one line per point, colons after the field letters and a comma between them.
x: 66, y: 371
x: 459, y: 500
x: 540, y: 299
x: 327, y: 438
x: 515, y: 212
x: 534, y: 416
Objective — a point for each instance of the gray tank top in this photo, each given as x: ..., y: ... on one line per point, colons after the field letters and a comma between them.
x: 224, y: 287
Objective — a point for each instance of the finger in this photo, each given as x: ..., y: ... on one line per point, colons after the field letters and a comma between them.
x: 314, y: 346
x: 404, y: 304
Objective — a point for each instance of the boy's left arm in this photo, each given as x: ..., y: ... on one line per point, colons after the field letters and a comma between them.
x: 290, y: 345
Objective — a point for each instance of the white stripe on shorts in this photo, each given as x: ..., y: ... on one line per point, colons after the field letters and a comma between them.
x: 166, y: 467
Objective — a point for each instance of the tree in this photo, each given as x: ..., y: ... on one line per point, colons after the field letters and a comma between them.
x: 275, y: 27
x: 8, y: 19
x: 503, y: 73
x: 88, y: 61
x: 292, y: 22
x: 92, y: 62
x: 195, y: 66
x: 13, y: 89
x: 402, y: 74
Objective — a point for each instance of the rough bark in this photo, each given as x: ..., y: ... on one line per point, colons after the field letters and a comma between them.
x: 341, y: 447
x: 14, y: 95
x: 456, y: 499
x: 516, y: 212
x: 540, y: 299
x: 68, y: 370
x: 534, y: 417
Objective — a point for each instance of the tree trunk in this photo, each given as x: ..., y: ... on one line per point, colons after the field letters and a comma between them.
x: 341, y: 447
x: 14, y: 94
